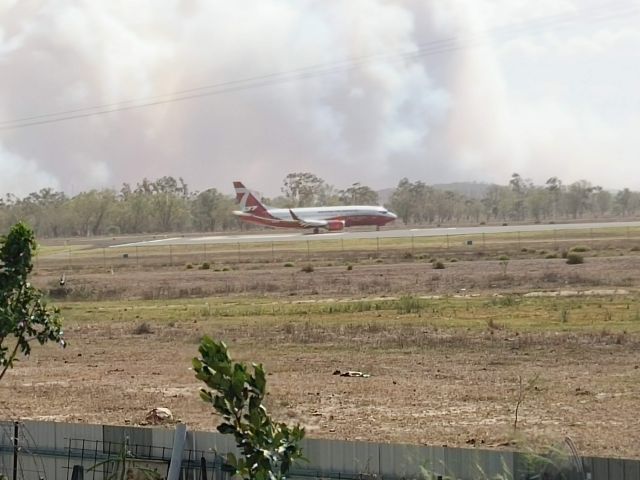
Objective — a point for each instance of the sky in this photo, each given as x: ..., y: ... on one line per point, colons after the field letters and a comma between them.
x: 94, y: 94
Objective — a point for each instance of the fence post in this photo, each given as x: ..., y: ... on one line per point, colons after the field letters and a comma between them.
x: 273, y: 252
x: 170, y: 256
x: 238, y: 252
x: 179, y: 440
x: 447, y: 240
x: 137, y: 259
x: 411, y: 244
x: 16, y: 433
x: 308, y: 251
x: 378, y: 246
x: 104, y: 257
x: 204, y: 256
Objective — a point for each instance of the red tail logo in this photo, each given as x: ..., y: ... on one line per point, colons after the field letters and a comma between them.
x: 249, y: 203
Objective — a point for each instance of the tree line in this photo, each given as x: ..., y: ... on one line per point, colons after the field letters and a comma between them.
x: 167, y: 205
x: 518, y: 201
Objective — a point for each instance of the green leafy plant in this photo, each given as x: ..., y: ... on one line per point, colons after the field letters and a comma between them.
x: 237, y: 394
x: 24, y: 315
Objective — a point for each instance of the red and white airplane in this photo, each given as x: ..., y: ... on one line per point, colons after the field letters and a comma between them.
x: 332, y: 219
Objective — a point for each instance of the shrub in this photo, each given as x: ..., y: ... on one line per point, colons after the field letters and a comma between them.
x: 188, y: 266
x: 453, y: 260
x: 407, y: 256
x: 142, y: 329
x: 564, y: 253
x: 205, y: 266
x: 551, y: 255
x: 288, y: 264
x: 574, y: 258
x: 349, y: 267
x: 409, y: 304
x: 635, y: 249
x: 307, y: 268
x: 438, y: 265
x: 579, y: 248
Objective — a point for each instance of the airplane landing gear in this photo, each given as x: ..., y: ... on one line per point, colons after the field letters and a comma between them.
x: 377, y: 228
x: 316, y: 230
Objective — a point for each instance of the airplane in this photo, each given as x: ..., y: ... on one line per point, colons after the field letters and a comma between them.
x: 331, y: 219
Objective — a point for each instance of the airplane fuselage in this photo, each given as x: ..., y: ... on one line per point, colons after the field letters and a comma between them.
x: 328, y: 218
x: 352, y: 216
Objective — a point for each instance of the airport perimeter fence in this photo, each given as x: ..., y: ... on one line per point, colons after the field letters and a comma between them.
x: 34, y: 450
x: 225, y: 253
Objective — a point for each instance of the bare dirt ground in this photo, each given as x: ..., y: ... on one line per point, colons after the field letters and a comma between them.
x: 433, y: 380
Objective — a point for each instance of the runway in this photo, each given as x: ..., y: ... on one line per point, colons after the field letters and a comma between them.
x: 355, y: 235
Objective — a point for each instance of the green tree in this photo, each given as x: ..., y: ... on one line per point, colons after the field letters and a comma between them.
x: 91, y: 210
x: 418, y: 202
x: 237, y: 395
x: 210, y: 210
x: 623, y: 201
x: 168, y: 202
x: 304, y: 189
x: 555, y: 188
x: 358, y: 194
x: 577, y: 198
x: 24, y: 315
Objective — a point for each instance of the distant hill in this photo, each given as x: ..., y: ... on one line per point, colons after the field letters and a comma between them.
x: 469, y: 189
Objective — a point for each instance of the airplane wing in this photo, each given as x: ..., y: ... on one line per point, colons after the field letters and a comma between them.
x: 308, y: 223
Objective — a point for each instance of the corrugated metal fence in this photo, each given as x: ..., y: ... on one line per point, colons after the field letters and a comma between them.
x: 51, y: 450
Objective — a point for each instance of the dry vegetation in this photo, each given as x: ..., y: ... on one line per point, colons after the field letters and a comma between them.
x: 445, y: 348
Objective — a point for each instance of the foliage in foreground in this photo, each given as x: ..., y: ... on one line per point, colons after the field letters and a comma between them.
x: 24, y: 315
x: 237, y: 395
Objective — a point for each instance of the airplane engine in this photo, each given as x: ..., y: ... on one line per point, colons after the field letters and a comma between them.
x: 335, y: 225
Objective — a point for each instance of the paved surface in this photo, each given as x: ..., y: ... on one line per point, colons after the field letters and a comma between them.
x: 415, y: 232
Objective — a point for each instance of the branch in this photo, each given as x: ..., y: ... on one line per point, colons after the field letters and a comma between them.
x: 10, y: 360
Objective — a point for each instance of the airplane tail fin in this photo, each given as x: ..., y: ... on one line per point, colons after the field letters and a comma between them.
x: 249, y: 202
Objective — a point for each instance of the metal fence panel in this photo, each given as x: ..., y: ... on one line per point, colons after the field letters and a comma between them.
x: 600, y: 468
x: 631, y: 469
x: 55, y: 448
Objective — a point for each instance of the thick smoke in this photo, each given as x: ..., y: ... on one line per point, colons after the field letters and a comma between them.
x: 480, y: 111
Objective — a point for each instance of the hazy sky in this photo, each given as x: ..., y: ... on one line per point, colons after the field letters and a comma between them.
x: 357, y: 90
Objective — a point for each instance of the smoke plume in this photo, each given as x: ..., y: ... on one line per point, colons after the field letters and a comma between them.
x: 437, y: 91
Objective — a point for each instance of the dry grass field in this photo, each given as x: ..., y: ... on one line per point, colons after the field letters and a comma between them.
x: 449, y: 351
